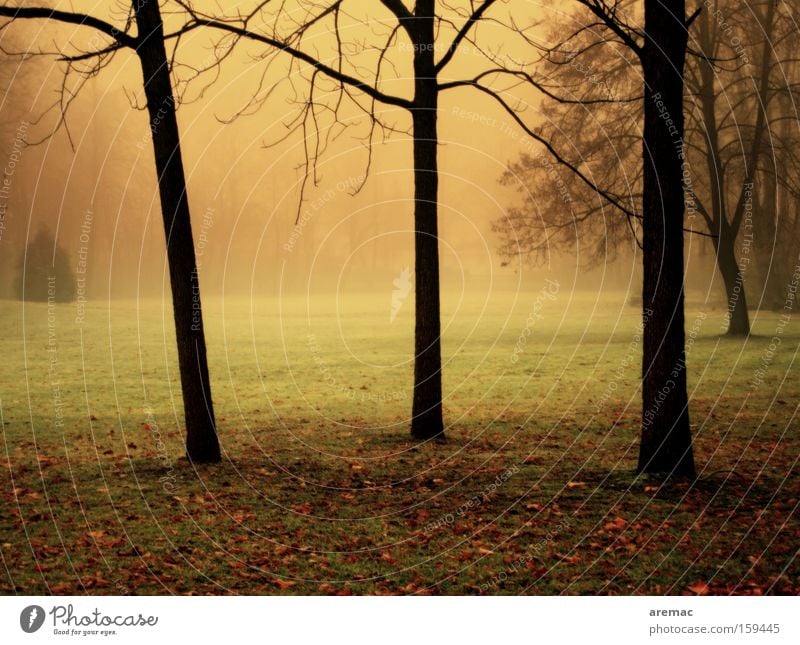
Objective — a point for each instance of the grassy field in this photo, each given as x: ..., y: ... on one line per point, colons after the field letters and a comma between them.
x: 321, y: 489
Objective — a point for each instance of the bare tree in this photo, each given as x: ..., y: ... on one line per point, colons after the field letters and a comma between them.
x: 343, y: 74
x: 768, y: 116
x: 149, y: 46
x: 659, y: 48
x: 728, y: 131
x: 776, y: 239
x: 739, y: 93
x: 593, y: 123
x: 609, y: 177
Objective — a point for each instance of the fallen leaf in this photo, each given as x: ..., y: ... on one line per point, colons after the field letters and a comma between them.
x: 617, y: 524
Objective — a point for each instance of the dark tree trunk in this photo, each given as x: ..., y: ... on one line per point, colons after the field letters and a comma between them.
x: 201, y: 435
x: 770, y: 248
x: 427, y: 421
x: 738, y: 317
x: 666, y: 444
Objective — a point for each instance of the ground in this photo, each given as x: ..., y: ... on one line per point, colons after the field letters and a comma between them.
x: 323, y: 491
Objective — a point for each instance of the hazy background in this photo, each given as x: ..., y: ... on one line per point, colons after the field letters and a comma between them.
x: 244, y: 195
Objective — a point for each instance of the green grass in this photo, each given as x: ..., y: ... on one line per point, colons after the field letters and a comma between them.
x: 321, y: 489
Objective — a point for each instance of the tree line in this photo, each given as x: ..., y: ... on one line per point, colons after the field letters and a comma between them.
x: 661, y: 93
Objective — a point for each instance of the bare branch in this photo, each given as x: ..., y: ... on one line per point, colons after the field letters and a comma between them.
x: 403, y: 15
x: 608, y: 16
x: 335, y: 74
x: 124, y: 39
x: 451, y: 50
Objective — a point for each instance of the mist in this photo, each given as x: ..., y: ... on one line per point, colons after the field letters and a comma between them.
x: 92, y: 184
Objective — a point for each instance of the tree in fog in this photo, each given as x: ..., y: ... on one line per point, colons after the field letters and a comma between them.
x: 731, y: 85
x: 761, y: 92
x: 616, y: 148
x: 740, y: 150
x: 44, y: 271
x: 149, y: 46
x: 776, y: 203
x: 358, y: 73
x: 659, y: 49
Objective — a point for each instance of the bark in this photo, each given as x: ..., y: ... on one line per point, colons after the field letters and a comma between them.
x: 738, y: 317
x: 201, y: 435
x: 666, y: 444
x: 427, y: 421
x: 770, y: 245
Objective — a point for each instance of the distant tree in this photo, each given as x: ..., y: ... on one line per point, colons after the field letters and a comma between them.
x: 44, y: 271
x: 741, y: 150
x: 731, y: 85
x: 776, y: 201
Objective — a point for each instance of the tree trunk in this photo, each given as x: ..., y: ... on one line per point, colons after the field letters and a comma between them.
x: 427, y: 421
x: 738, y: 317
x: 666, y: 444
x: 770, y: 251
x: 201, y: 435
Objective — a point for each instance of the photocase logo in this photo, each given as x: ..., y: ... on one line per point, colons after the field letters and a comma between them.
x: 31, y: 619
x: 402, y: 287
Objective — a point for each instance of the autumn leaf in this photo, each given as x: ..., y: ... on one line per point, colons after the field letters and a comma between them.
x: 699, y: 588
x: 617, y: 524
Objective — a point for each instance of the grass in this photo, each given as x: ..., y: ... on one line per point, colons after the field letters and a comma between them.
x: 321, y: 489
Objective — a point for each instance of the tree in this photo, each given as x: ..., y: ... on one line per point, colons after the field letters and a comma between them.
x: 594, y: 123
x: 728, y: 131
x: 642, y: 185
x: 201, y: 438
x: 737, y: 98
x: 44, y: 271
x: 666, y: 443
x: 419, y: 33
x: 776, y: 203
x: 771, y: 221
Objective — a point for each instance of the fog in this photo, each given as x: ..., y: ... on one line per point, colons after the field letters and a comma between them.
x: 92, y: 183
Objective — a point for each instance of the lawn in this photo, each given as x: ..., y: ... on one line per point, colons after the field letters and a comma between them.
x: 322, y: 490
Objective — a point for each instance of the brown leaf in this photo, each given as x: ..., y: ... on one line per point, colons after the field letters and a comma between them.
x: 617, y: 524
